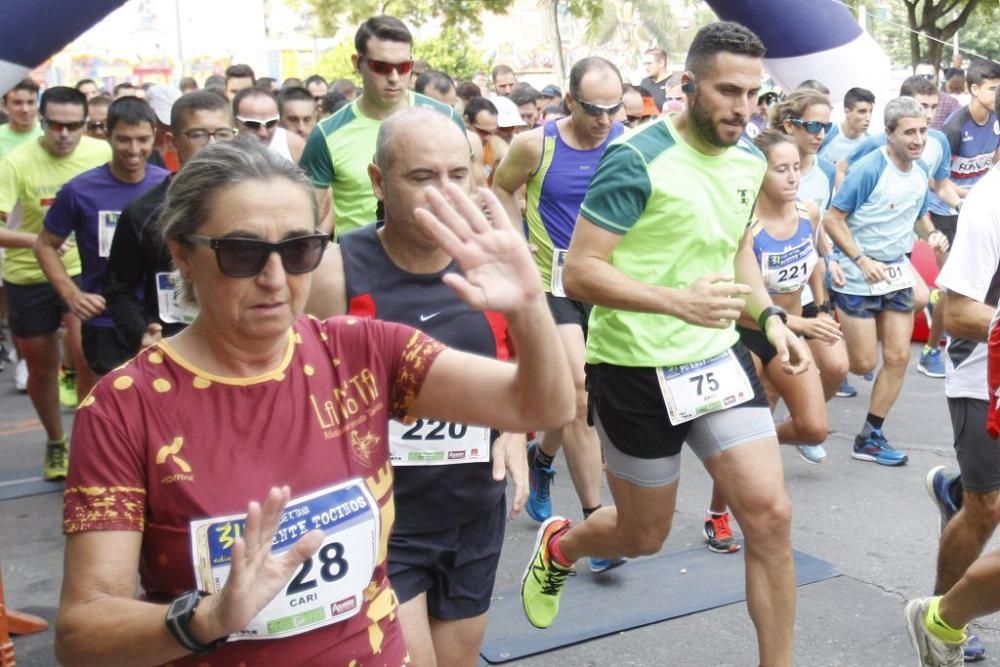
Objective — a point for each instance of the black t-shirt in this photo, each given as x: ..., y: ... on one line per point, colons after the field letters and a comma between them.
x: 658, y: 89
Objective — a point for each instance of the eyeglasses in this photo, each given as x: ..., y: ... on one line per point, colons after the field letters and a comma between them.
x: 385, y: 69
x: 199, y: 137
x: 56, y: 126
x: 245, y: 258
x: 94, y: 125
x: 811, y: 126
x: 254, y: 125
x: 668, y: 98
x: 597, y: 109
x: 483, y: 130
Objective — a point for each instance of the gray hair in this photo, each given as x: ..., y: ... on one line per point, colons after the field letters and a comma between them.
x: 216, y: 167
x: 902, y: 107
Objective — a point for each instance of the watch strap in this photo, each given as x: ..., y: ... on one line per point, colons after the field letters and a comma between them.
x: 767, y: 313
x: 178, y: 621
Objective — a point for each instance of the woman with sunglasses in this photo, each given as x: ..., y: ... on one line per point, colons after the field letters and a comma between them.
x: 784, y: 242
x: 255, y: 403
x: 805, y: 117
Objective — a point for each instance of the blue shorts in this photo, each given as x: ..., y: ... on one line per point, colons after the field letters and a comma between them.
x: 866, y: 306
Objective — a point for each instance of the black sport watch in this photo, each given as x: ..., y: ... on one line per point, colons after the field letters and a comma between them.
x: 179, y: 616
x: 768, y: 312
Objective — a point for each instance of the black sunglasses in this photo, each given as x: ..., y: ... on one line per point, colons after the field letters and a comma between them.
x: 56, y: 126
x: 597, y: 109
x: 811, y: 126
x: 253, y: 124
x: 245, y: 258
x: 95, y: 125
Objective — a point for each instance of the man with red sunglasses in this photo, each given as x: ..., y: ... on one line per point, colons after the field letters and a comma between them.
x: 340, y: 148
x: 30, y: 177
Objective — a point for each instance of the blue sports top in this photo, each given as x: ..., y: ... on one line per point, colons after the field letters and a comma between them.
x: 785, y: 264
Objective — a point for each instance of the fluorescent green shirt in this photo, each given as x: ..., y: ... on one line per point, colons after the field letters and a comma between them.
x: 9, y: 139
x: 681, y: 215
x: 337, y: 155
x: 31, y: 176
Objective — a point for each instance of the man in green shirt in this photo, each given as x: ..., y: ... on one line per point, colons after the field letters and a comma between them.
x: 21, y: 104
x: 662, y: 251
x: 341, y: 146
x: 30, y: 177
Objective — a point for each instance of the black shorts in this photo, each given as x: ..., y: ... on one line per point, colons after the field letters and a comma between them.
x: 756, y: 341
x: 946, y: 224
x: 455, y: 567
x: 568, y: 311
x: 630, y: 405
x: 104, y: 349
x: 35, y: 310
x: 977, y: 453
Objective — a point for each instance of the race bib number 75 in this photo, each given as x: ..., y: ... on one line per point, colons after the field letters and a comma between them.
x: 327, y: 588
x: 695, y: 389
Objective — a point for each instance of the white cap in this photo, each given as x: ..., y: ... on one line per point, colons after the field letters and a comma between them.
x: 507, y: 113
x: 162, y: 99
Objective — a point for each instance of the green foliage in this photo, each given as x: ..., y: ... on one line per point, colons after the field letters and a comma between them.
x: 335, y: 63
x: 451, y: 52
x: 454, y: 14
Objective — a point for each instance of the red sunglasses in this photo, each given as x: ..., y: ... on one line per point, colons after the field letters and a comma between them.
x: 385, y: 69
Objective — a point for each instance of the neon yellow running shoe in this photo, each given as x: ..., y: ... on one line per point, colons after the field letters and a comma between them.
x: 56, y: 460
x: 544, y: 579
x: 67, y: 388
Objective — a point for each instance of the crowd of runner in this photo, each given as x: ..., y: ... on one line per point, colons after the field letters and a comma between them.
x: 318, y: 449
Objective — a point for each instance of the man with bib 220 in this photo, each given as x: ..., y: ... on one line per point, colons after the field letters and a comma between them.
x: 882, y: 201
x: 556, y: 163
x: 449, y: 477
x: 661, y: 233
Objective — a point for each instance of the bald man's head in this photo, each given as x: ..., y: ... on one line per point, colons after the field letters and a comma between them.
x: 414, y: 122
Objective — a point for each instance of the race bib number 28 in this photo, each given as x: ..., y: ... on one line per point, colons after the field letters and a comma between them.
x: 329, y: 587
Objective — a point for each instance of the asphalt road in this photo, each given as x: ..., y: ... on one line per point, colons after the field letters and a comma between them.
x: 875, y: 524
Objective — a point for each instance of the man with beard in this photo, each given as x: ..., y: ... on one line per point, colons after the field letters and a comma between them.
x: 661, y: 250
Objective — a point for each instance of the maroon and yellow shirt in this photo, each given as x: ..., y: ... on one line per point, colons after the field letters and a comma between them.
x: 160, y: 443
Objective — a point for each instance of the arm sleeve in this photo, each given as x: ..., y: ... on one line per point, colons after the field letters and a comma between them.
x: 413, y: 353
x: 60, y: 219
x: 618, y: 194
x: 123, y: 280
x: 106, y: 486
x: 316, y: 160
x: 858, y: 185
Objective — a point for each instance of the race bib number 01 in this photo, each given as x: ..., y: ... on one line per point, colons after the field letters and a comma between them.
x: 171, y: 309
x: 107, y: 222
x: 329, y: 587
x: 898, y: 276
x: 558, y: 263
x: 788, y: 271
x: 693, y: 390
x: 426, y: 442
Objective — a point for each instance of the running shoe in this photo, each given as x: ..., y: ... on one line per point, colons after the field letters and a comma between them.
x: 719, y: 535
x: 939, y: 484
x: 869, y: 376
x: 21, y: 376
x: 56, y: 460
x: 544, y: 579
x: 931, y: 651
x: 973, y: 649
x: 539, y: 505
x: 815, y: 454
x: 598, y: 565
x: 876, y: 448
x: 930, y: 363
x: 67, y: 389
x: 846, y: 390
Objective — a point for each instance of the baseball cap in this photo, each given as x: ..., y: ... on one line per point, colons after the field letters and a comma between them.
x: 162, y: 99
x: 507, y: 113
x: 551, y: 91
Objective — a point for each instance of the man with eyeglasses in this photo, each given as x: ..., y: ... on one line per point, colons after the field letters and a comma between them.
x: 339, y: 150
x: 30, y: 177
x: 658, y: 75
x: 256, y: 113
x: 881, y: 203
x: 97, y: 117
x: 556, y: 164
x: 88, y: 208
x: 661, y: 249
x: 139, y: 262
x: 317, y: 87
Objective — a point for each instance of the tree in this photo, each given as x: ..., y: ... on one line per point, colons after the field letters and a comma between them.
x: 940, y: 20
x: 452, y: 52
x: 453, y: 14
x: 336, y: 63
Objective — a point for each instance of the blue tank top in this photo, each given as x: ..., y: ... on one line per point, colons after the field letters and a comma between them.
x: 785, y: 264
x: 428, y: 497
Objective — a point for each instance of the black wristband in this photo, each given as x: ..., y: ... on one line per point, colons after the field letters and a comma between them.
x: 767, y: 313
x: 857, y: 258
x: 179, y: 615
x: 825, y: 307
